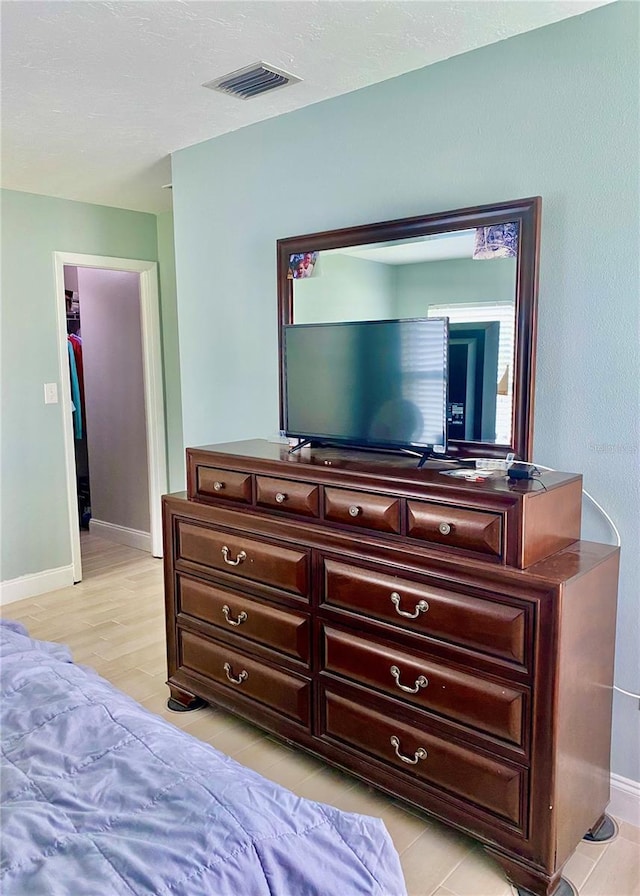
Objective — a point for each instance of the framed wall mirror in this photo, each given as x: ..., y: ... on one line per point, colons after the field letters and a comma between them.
x: 476, y: 266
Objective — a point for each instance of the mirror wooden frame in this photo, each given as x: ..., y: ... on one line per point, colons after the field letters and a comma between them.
x: 526, y: 212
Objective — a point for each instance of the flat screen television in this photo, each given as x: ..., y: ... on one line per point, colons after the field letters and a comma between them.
x: 372, y: 384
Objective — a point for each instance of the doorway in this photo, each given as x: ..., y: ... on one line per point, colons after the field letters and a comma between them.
x: 152, y: 389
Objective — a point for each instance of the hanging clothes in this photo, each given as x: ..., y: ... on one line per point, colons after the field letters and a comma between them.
x: 75, y: 392
x: 76, y: 342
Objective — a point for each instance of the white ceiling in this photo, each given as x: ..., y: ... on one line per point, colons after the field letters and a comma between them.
x: 96, y: 95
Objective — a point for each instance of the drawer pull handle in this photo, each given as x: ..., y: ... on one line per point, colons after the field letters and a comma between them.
x: 280, y: 498
x: 444, y: 528
x: 241, y: 556
x: 419, y: 754
x: 218, y: 486
x: 421, y: 607
x: 354, y: 510
x: 241, y: 677
x: 242, y: 616
x: 421, y: 681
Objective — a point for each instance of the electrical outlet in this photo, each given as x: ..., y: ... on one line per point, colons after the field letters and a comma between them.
x: 51, y: 393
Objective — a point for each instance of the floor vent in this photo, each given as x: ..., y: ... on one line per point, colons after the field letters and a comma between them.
x: 252, y: 81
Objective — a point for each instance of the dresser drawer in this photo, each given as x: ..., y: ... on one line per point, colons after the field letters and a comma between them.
x: 226, y: 485
x: 472, y: 530
x: 283, y: 630
x: 428, y: 759
x: 485, y: 625
x: 287, y: 694
x: 291, y: 497
x: 244, y: 557
x: 493, y: 708
x: 362, y: 509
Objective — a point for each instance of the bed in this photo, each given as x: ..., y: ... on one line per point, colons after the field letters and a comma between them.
x: 102, y: 798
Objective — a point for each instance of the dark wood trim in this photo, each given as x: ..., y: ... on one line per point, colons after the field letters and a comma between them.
x: 527, y: 213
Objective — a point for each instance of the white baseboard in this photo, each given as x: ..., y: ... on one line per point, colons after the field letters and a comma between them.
x: 32, y: 585
x: 625, y: 800
x: 133, y: 538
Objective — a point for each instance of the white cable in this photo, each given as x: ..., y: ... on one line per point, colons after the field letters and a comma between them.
x: 628, y: 693
x: 618, y: 543
x: 605, y: 515
x: 593, y: 501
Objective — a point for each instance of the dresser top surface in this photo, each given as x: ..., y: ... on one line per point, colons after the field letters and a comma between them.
x: 377, y: 465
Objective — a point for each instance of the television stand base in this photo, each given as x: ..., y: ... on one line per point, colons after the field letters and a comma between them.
x: 303, y: 444
x: 423, y: 456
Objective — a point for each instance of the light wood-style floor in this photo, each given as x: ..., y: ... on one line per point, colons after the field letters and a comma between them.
x: 114, y: 621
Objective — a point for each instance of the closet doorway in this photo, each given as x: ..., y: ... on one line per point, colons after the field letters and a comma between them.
x: 135, y: 283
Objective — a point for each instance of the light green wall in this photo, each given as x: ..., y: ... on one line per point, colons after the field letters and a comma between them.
x: 453, y: 281
x: 33, y: 507
x: 170, y: 353
x: 344, y: 288
x: 553, y: 112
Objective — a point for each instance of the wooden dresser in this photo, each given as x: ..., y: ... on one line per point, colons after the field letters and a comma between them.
x: 449, y: 642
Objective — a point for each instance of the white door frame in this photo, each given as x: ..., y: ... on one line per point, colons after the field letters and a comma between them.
x: 153, y: 390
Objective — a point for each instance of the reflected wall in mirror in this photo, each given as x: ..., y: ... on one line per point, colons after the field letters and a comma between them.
x: 435, y: 266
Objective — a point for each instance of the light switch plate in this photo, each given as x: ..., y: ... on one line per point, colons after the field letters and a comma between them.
x: 51, y: 393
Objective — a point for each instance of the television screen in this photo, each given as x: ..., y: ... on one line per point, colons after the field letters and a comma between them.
x: 370, y: 383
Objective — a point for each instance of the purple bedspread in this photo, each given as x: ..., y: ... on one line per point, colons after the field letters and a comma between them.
x: 102, y: 798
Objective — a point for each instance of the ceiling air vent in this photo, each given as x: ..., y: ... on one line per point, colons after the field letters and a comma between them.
x: 252, y: 81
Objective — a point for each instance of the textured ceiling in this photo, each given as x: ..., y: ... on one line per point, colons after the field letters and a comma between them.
x: 96, y: 95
